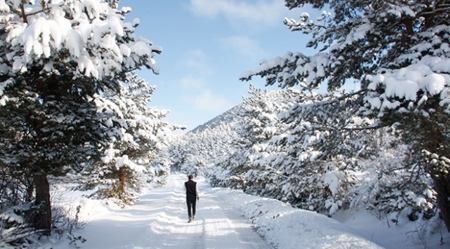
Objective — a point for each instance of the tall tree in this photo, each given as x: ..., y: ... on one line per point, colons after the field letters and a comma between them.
x: 56, y: 58
x: 398, y: 51
x: 139, y: 134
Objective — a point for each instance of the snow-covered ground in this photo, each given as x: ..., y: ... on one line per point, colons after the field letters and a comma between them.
x: 231, y: 219
x: 159, y: 220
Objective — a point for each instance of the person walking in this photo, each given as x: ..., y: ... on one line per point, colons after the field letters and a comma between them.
x: 191, y: 196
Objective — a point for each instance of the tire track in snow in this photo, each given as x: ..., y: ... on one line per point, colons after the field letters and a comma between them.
x: 225, y: 226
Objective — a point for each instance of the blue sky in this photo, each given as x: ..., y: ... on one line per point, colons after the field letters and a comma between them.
x: 206, y: 45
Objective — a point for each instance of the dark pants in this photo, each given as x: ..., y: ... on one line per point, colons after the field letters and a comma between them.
x: 191, y: 201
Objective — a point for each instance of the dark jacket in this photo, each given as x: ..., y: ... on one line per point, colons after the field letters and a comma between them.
x: 191, y: 189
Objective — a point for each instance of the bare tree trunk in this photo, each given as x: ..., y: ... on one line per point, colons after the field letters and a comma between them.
x: 43, y: 218
x: 122, y: 179
x: 442, y: 187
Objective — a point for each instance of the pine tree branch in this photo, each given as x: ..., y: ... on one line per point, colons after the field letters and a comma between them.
x: 24, y: 17
x: 39, y: 11
x: 375, y: 127
x: 21, y: 13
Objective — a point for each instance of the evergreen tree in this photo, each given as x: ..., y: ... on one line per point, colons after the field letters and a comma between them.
x: 56, y: 60
x: 138, y: 135
x: 398, y: 52
x: 258, y: 123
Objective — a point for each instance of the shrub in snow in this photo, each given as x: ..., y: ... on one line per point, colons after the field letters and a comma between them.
x: 14, y: 227
x: 14, y: 189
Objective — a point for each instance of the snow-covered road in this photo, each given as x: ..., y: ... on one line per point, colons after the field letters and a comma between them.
x: 159, y: 220
x: 225, y: 219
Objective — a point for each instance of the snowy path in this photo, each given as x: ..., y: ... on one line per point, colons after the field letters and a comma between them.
x: 159, y: 220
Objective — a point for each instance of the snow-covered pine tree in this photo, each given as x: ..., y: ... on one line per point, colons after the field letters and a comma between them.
x: 138, y: 135
x: 398, y: 51
x: 391, y: 182
x: 319, y: 150
x: 258, y: 124
x: 296, y: 148
x: 308, y: 149
x: 56, y: 58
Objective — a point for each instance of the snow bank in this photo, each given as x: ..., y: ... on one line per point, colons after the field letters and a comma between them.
x: 287, y: 227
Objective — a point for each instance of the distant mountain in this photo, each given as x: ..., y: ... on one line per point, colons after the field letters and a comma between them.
x: 227, y: 117
x: 234, y: 113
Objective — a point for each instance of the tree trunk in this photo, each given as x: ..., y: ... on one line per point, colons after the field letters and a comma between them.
x: 434, y: 141
x: 43, y: 218
x: 122, y: 179
x: 442, y: 187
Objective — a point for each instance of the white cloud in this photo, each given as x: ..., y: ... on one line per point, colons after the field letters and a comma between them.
x: 262, y: 12
x: 196, y: 61
x: 191, y: 82
x: 207, y: 101
x: 197, y: 70
x: 245, y: 46
x: 194, y: 84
